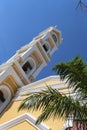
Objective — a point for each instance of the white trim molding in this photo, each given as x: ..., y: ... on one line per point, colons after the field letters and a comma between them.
x: 10, y: 71
x: 25, y: 117
x: 33, y: 87
x: 33, y: 65
x: 69, y: 123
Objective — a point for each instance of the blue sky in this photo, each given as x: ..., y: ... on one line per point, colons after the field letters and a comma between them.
x: 21, y: 20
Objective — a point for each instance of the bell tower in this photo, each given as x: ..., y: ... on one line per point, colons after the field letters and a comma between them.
x: 26, y: 64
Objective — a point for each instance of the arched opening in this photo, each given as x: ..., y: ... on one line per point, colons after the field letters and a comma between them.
x: 5, y: 97
x: 46, y: 47
x: 2, y: 99
x: 29, y: 66
x: 54, y: 37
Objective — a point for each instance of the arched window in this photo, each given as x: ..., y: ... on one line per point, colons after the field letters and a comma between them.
x: 5, y: 97
x: 46, y: 47
x: 2, y: 99
x: 29, y: 66
x: 54, y: 38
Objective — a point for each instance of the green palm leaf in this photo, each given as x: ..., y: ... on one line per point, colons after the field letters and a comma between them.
x: 54, y: 104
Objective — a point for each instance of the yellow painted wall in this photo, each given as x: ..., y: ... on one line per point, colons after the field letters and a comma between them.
x: 56, y: 124
x: 23, y: 126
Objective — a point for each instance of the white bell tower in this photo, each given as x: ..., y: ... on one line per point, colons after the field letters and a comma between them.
x: 26, y: 64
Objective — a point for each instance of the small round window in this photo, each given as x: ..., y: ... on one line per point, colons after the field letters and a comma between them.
x: 54, y: 38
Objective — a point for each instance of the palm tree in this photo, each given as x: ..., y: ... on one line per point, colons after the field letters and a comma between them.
x: 54, y: 104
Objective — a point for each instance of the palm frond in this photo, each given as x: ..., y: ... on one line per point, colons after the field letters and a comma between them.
x: 75, y: 72
x: 53, y: 104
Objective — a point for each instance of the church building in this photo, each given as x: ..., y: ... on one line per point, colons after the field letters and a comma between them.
x: 17, y: 77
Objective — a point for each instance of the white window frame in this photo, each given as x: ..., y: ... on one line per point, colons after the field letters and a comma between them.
x: 48, y: 44
x: 56, y: 37
x: 34, y: 66
x: 20, y: 119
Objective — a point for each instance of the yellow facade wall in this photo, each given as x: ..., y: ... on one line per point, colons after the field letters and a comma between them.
x: 23, y: 126
x: 12, y: 113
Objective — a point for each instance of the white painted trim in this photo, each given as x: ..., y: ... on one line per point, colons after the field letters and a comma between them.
x: 12, y: 58
x: 49, y: 47
x: 52, y: 40
x: 34, y: 67
x: 50, y: 36
x: 22, y: 72
x: 26, y: 54
x: 45, y: 36
x: 51, y: 29
x: 44, y: 80
x: 23, y: 48
x: 3, y: 75
x: 42, y: 58
x: 69, y: 123
x: 56, y: 37
x: 32, y: 89
x: 47, y: 30
x: 39, y: 70
x: 44, y: 52
x: 25, y: 117
x: 10, y: 71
